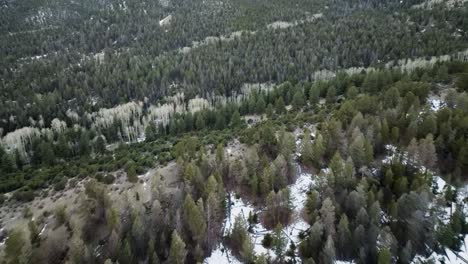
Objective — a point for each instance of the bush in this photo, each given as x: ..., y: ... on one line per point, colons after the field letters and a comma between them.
x: 2, y: 198
x: 23, y: 195
x: 108, y: 179
x: 267, y: 241
x: 131, y: 174
x: 60, y: 185
x: 462, y: 82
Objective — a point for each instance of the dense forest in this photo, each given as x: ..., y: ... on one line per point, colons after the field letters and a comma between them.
x: 233, y: 131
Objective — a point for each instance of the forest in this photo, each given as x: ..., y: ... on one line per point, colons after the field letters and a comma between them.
x: 233, y: 131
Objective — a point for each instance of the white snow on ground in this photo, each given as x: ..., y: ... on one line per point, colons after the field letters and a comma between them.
x: 448, y: 258
x: 221, y: 255
x: 141, y: 138
x: 436, y: 104
x: 439, y: 186
x: 298, y: 192
x: 443, y: 211
x: 238, y: 207
x: 165, y: 21
x: 283, y: 24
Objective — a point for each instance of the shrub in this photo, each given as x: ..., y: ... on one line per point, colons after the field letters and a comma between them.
x: 2, y: 198
x: 267, y: 241
x: 60, y: 185
x: 108, y: 179
x: 25, y: 195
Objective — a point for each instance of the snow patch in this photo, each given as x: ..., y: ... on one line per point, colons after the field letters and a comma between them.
x: 221, y: 255
x: 165, y: 21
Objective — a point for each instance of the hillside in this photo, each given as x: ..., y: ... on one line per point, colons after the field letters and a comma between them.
x: 233, y: 131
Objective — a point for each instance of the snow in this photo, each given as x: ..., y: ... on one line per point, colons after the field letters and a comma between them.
x: 165, y: 21
x: 449, y: 257
x: 141, y: 138
x: 436, y: 104
x: 221, y: 255
x: 238, y: 207
x: 42, y: 230
x: 299, y: 190
x: 443, y: 212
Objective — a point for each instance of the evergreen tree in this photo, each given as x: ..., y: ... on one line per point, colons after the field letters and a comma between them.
x: 314, y: 95
x: 298, y: 100
x: 260, y: 105
x: 177, y: 251
x: 247, y: 250
x: 344, y: 237
x: 279, y: 241
x: 318, y: 149
x: 327, y: 212
x: 279, y: 106
x: 100, y: 145
x: 220, y: 121
x: 331, y: 95
x: 195, y: 220
x: 329, y: 254
x: 236, y: 119
x: 200, y: 121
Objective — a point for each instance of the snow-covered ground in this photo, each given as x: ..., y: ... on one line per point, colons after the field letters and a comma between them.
x: 439, y: 186
x: 221, y: 255
x: 436, y: 104
x: 298, y: 192
x: 443, y: 211
x: 238, y: 207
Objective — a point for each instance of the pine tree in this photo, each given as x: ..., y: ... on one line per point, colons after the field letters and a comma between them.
x: 126, y: 255
x: 344, y: 237
x: 279, y: 106
x: 6, y: 163
x: 314, y: 95
x: 200, y: 121
x: 279, y: 241
x: 385, y: 132
x: 318, y: 149
x: 236, y: 119
x: 194, y: 218
x: 385, y: 257
x: 270, y: 111
x: 427, y: 153
x: 337, y: 167
x: 329, y: 254
x: 327, y: 212
x: 220, y: 122
x: 260, y: 105
x: 100, y: 145
x: 331, y: 95
x: 357, y: 150
x: 388, y: 180
x: 177, y: 251
x: 298, y: 100
x: 247, y: 250
x: 286, y: 143
x: 352, y: 92
x: 84, y: 144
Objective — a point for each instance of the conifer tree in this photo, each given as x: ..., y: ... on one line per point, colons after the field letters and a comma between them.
x: 177, y: 251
